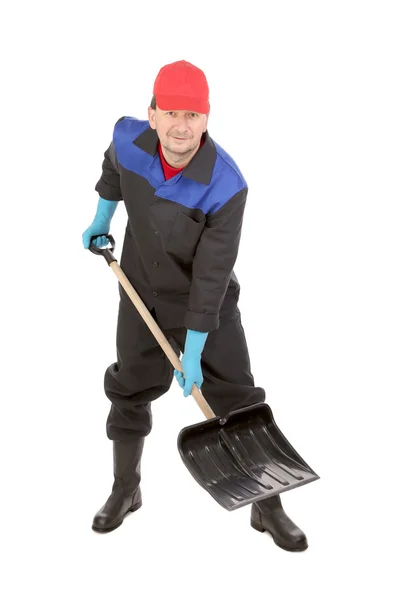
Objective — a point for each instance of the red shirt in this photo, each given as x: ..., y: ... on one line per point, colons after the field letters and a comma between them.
x: 168, y: 170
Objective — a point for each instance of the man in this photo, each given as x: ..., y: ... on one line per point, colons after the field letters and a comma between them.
x: 185, y: 198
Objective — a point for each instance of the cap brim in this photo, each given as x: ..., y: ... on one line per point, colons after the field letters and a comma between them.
x: 183, y: 103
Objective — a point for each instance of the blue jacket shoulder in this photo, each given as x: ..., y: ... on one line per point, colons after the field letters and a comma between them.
x: 131, y: 127
x: 229, y: 168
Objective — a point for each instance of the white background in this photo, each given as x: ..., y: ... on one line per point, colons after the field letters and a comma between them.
x: 305, y: 97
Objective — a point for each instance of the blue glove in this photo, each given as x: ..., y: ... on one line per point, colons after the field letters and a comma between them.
x: 191, y: 361
x: 101, y: 223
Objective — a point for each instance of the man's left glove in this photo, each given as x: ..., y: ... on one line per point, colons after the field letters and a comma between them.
x: 191, y: 361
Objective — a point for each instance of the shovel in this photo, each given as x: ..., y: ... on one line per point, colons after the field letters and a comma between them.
x: 238, y: 458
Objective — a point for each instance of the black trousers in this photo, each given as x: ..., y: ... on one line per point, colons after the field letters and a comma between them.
x: 143, y: 373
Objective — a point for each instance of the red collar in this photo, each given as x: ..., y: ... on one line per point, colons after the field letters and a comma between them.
x: 168, y: 170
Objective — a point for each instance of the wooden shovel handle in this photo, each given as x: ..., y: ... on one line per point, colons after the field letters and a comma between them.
x: 158, y: 334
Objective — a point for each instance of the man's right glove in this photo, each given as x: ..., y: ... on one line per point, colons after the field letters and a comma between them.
x: 101, y: 223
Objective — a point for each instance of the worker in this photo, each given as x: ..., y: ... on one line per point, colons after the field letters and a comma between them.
x: 185, y: 199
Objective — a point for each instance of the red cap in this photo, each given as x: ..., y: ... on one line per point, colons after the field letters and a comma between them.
x: 181, y: 86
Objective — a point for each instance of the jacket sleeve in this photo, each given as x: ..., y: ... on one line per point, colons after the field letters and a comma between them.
x: 108, y: 186
x: 213, y: 263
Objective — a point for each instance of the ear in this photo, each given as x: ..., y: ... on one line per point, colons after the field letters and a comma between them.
x: 152, y: 114
x: 206, y: 123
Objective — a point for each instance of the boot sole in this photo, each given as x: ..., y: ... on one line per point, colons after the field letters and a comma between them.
x: 108, y: 529
x: 261, y: 529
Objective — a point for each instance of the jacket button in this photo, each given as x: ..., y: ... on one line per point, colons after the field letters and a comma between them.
x: 155, y: 293
x: 155, y: 264
x: 157, y: 232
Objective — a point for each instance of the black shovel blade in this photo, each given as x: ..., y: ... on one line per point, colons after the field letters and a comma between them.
x: 242, y: 458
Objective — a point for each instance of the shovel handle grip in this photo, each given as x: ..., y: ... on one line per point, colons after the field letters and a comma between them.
x: 158, y: 334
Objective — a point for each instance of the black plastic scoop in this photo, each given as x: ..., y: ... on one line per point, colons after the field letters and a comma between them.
x: 239, y: 458
x: 242, y: 458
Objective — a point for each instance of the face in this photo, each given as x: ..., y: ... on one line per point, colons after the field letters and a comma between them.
x: 179, y: 131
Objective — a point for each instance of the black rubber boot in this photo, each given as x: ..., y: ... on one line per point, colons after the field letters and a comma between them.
x: 126, y: 495
x: 268, y: 515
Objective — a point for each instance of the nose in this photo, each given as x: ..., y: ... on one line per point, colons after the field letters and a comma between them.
x: 181, y: 124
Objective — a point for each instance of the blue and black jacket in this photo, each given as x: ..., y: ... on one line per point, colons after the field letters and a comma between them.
x: 183, y: 234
